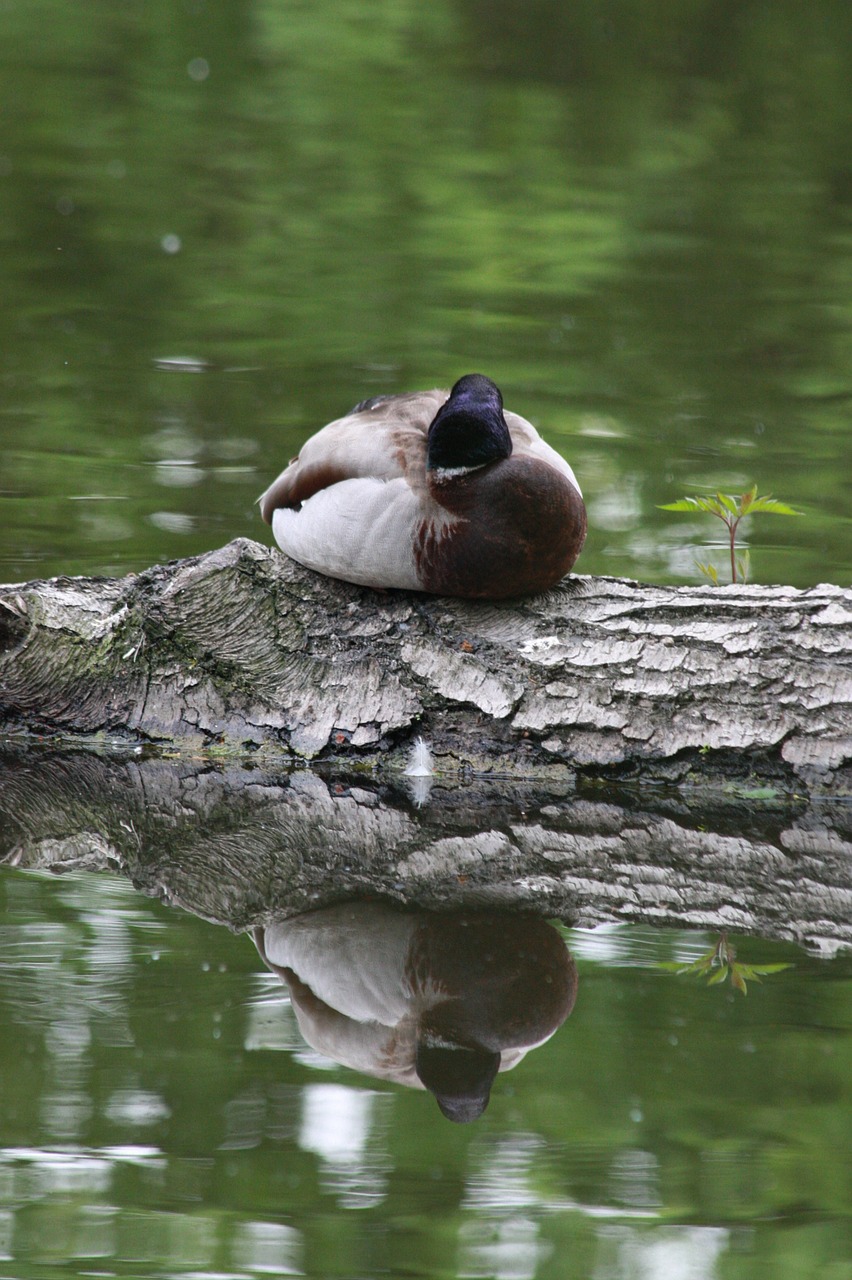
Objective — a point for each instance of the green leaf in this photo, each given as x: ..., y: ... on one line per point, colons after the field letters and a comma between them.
x: 747, y: 499
x: 720, y: 976
x: 697, y: 502
x: 773, y: 507
x: 727, y: 501
x: 710, y: 571
x: 724, y: 505
x: 698, y: 966
x: 737, y: 979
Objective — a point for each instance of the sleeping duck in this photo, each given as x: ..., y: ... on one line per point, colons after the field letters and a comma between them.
x: 431, y: 491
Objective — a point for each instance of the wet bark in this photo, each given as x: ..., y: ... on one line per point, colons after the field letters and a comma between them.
x: 242, y: 847
x: 241, y: 649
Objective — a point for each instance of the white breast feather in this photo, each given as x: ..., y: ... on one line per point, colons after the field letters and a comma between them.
x: 359, y: 530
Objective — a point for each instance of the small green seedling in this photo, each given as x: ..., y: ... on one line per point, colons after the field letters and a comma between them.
x: 721, y: 962
x: 730, y: 510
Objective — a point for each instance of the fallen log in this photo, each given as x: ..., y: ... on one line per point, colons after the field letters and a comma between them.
x: 241, y: 649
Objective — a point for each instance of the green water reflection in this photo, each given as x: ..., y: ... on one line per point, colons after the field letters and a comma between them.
x: 635, y: 218
x: 161, y: 1115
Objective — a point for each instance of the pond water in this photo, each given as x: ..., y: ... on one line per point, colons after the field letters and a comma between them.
x: 162, y: 1116
x: 221, y: 225
x: 215, y: 1025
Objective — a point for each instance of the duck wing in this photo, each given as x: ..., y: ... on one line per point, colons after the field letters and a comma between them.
x: 383, y: 438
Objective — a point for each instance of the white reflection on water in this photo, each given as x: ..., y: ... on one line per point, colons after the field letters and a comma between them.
x: 59, y: 1172
x: 245, y: 1122
x: 672, y: 1253
x: 149, y: 1236
x: 72, y: 1171
x: 619, y: 507
x: 68, y: 1037
x: 507, y: 1177
x: 501, y: 1180
x: 136, y: 1107
x: 634, y: 1179
x: 172, y: 521
x: 64, y: 1115
x: 267, y: 1247
x: 505, y: 1250
x: 70, y: 982
x: 177, y: 473
x: 606, y: 944
x: 70, y: 986
x: 270, y: 1021
x: 94, y: 1234
x: 635, y: 946
x: 335, y: 1122
x: 7, y: 1223
x: 338, y: 1125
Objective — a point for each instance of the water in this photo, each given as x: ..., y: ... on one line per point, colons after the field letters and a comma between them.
x: 162, y: 1116
x: 221, y: 225
x: 169, y: 1106
x: 221, y: 228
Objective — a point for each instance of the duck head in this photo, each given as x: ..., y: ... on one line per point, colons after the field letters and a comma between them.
x: 458, y: 1076
x: 469, y: 429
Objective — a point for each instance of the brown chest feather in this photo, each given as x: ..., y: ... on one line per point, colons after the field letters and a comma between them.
x: 513, y: 528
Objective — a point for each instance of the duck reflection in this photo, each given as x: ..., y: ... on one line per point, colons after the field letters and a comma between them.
x: 429, y: 1000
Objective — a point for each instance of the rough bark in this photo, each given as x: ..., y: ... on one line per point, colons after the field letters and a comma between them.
x: 243, y: 649
x: 243, y: 846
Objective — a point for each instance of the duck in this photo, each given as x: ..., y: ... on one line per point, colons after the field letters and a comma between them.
x: 436, y: 491
x: 427, y: 1000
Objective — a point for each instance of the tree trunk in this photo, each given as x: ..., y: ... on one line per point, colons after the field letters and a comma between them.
x: 241, y: 649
